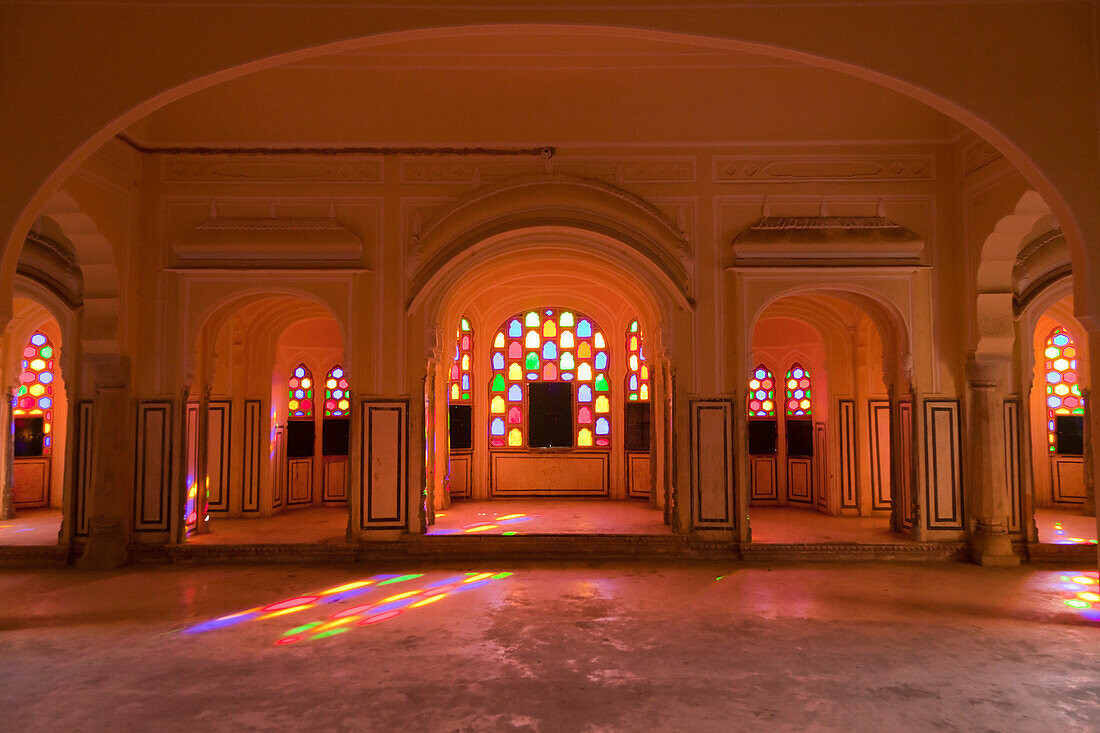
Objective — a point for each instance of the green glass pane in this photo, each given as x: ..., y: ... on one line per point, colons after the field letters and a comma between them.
x: 566, y: 319
x: 498, y: 383
x: 465, y: 325
x: 634, y: 327
x: 532, y: 360
x: 634, y: 397
x: 465, y: 395
x: 46, y: 352
x: 601, y: 384
x: 532, y: 320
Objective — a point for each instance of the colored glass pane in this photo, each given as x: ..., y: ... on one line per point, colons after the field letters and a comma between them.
x: 461, y: 365
x: 761, y: 393
x: 35, y: 396
x: 637, y: 380
x: 1063, y: 392
x: 300, y: 393
x: 548, y: 345
x: 337, y: 393
x: 797, y: 403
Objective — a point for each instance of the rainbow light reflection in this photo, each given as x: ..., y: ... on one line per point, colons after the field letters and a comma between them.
x: 1061, y: 539
x: 1081, y: 592
x: 488, y: 525
x: 391, y: 605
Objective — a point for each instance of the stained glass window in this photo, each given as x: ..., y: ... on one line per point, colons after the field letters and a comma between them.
x: 460, y: 379
x: 1063, y: 392
x: 34, y: 396
x: 337, y: 394
x: 762, y: 392
x: 300, y: 393
x: 550, y: 345
x: 797, y: 389
x: 637, y: 371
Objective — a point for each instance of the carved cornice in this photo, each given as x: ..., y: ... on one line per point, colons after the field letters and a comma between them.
x: 800, y: 168
x: 54, y: 247
x: 827, y: 238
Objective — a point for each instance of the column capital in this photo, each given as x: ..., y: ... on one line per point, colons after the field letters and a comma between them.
x: 987, y: 371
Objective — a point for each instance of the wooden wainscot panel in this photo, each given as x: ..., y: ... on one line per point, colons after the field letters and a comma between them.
x: 384, y: 452
x: 765, y: 486
x: 821, y: 467
x: 461, y: 475
x: 712, y: 463
x: 219, y: 448
x: 1012, y: 465
x: 638, y: 477
x: 879, y: 420
x: 335, y: 487
x: 253, y: 455
x: 153, y: 466
x: 849, y: 469
x: 31, y: 482
x: 300, y: 484
x: 800, y: 480
x: 905, y: 455
x: 572, y: 474
x: 943, y: 469
x: 1067, y: 476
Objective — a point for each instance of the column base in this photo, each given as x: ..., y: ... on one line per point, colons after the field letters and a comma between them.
x: 105, y: 549
x: 993, y: 549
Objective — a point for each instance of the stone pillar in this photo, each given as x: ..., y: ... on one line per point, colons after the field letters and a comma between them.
x: 111, y: 493
x: 7, y: 483
x: 897, y: 511
x: 202, y: 472
x: 987, y: 485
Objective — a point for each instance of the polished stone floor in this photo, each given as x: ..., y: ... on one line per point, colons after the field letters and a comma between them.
x: 320, y: 524
x: 1065, y: 527
x: 791, y: 525
x: 549, y: 516
x: 593, y: 647
x: 31, y: 527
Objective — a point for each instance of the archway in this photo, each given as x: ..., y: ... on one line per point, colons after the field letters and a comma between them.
x: 588, y: 303
x: 829, y: 422
x: 277, y: 434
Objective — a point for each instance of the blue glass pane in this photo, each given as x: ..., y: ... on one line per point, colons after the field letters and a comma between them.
x: 549, y: 350
x: 45, y: 377
x: 633, y: 381
x: 515, y: 393
x: 584, y: 393
x: 603, y: 427
x: 497, y: 428
x: 584, y: 329
x: 601, y: 360
x: 515, y: 329
x: 498, y: 360
x: 465, y: 381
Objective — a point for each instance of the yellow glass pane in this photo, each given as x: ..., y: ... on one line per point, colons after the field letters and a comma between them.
x: 603, y: 404
x: 1059, y: 389
x: 454, y: 391
x: 465, y: 362
x: 515, y: 437
x: 584, y: 438
x: 37, y: 389
x: 633, y: 362
x: 497, y: 405
x: 331, y: 383
x: 343, y: 404
x: 549, y: 329
x: 293, y: 405
x: 498, y: 342
x: 584, y: 351
x: 38, y: 365
x: 306, y: 383
x: 515, y: 372
x: 644, y: 372
x: 643, y: 394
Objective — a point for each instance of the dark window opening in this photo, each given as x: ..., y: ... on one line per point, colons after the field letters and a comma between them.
x: 637, y: 426
x: 460, y: 426
x: 335, y: 437
x: 28, y: 436
x: 800, y: 438
x: 1069, y: 435
x: 763, y: 437
x: 299, y: 439
x: 550, y: 414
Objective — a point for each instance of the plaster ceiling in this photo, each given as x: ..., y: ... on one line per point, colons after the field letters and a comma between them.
x: 541, y: 88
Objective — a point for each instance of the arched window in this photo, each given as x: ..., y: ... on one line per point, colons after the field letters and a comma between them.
x: 1063, y: 392
x: 549, y: 346
x: 762, y: 393
x: 300, y: 393
x: 337, y: 394
x: 34, y: 398
x: 461, y: 376
x: 797, y: 389
x: 637, y: 371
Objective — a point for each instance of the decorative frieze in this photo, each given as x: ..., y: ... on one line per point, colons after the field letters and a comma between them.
x: 812, y: 168
x: 271, y: 170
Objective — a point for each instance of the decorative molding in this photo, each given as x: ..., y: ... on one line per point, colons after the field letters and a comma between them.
x: 82, y: 467
x: 270, y: 239
x: 979, y: 155
x: 749, y: 169
x: 188, y: 170
x: 827, y: 238
x: 712, y: 474
x: 153, y: 466
x: 943, y: 465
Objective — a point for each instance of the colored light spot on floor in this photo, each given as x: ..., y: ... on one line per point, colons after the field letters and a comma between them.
x: 1091, y: 597
x: 285, y: 611
x: 347, y: 586
x: 336, y: 624
x: 402, y: 578
x: 1075, y: 603
x: 302, y: 629
x: 378, y: 618
x: 426, y: 601
x: 498, y: 576
x: 1085, y: 580
x: 479, y: 576
x: 288, y: 640
x: 299, y: 601
x: 326, y: 634
x: 507, y: 533
x: 510, y: 516
x: 399, y: 596
x: 482, y: 528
